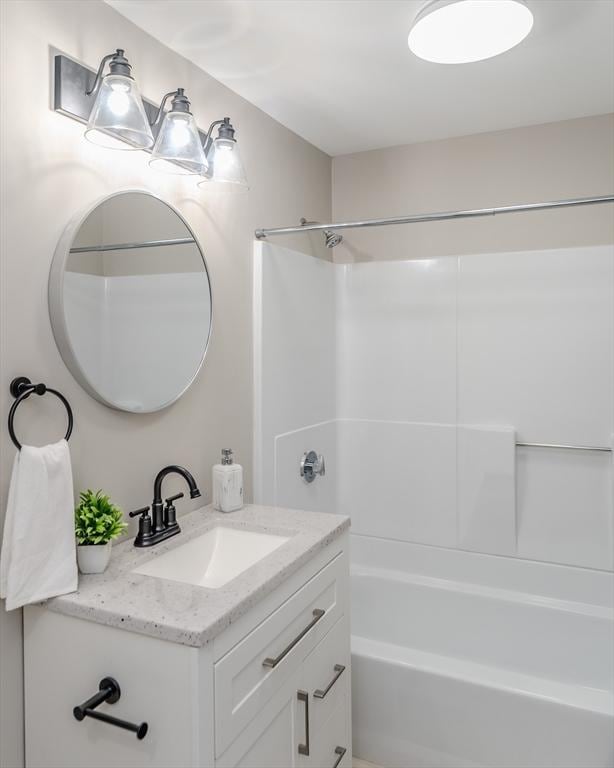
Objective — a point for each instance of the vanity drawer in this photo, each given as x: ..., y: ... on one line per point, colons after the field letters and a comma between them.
x: 249, y: 674
x: 326, y: 674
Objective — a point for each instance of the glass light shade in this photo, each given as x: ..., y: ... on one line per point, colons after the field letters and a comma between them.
x: 462, y: 31
x: 178, y: 148
x: 118, y: 119
x: 225, y: 165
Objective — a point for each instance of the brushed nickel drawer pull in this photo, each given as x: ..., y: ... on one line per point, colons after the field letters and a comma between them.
x: 303, y: 749
x: 339, y: 670
x: 341, y: 752
x: 272, y: 663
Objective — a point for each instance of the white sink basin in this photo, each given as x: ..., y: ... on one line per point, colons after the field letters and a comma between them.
x: 213, y: 559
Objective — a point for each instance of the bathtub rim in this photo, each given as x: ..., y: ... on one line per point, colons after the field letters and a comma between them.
x: 597, y: 701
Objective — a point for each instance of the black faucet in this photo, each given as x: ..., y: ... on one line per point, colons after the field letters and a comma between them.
x: 163, y: 523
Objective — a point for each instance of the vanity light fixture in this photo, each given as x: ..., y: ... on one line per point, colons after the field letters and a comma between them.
x: 117, y: 117
x: 463, y: 31
x: 178, y: 148
x: 118, y: 112
x: 224, y: 164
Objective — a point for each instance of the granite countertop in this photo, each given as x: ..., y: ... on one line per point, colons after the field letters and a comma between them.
x: 188, y: 614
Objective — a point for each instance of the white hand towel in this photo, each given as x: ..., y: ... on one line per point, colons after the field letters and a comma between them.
x: 38, y: 557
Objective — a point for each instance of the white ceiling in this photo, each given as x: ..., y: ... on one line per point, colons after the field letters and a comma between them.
x: 340, y: 74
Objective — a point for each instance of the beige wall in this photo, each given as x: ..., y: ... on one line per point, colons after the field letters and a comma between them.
x: 574, y: 158
x: 49, y: 172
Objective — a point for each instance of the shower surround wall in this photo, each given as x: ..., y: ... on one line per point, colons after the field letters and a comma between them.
x: 415, y: 378
x: 480, y: 570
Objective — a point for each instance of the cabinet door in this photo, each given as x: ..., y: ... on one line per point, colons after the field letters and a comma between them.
x: 326, y: 680
x: 332, y: 748
x: 271, y: 739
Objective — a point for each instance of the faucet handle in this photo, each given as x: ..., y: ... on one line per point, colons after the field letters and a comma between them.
x: 143, y: 511
x: 170, y: 513
x: 144, y: 525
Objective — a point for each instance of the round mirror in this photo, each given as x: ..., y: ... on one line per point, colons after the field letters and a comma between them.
x: 130, y: 302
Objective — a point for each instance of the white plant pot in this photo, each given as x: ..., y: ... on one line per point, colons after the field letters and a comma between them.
x: 93, y: 558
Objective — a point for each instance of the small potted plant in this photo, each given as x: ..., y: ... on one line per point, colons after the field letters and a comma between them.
x: 97, y: 522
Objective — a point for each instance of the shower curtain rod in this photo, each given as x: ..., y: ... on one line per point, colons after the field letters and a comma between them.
x: 261, y: 234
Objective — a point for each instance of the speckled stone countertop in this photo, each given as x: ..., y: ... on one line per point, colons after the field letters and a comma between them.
x: 188, y: 614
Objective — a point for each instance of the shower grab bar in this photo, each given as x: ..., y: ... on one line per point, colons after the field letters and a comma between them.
x: 601, y: 448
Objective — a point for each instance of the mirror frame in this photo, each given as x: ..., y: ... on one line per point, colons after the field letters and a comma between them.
x: 56, y: 300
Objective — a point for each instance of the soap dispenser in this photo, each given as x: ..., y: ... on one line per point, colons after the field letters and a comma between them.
x: 227, y: 484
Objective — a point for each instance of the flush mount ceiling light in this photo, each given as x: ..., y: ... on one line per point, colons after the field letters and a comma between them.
x: 462, y: 31
x: 178, y: 148
x: 117, y: 119
x: 223, y: 158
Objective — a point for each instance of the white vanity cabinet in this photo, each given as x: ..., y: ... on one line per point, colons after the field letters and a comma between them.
x: 271, y: 690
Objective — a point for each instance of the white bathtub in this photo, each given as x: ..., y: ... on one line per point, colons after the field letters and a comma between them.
x: 462, y: 659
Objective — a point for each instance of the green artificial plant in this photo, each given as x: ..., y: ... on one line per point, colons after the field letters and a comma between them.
x: 97, y: 519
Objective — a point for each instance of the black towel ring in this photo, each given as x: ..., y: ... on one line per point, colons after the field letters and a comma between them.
x: 21, y: 388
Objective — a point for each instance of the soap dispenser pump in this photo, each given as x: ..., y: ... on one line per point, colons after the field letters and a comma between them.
x: 227, y: 484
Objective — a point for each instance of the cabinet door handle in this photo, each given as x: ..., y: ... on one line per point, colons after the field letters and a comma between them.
x: 272, y: 663
x: 341, y: 752
x: 303, y: 749
x: 339, y: 670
